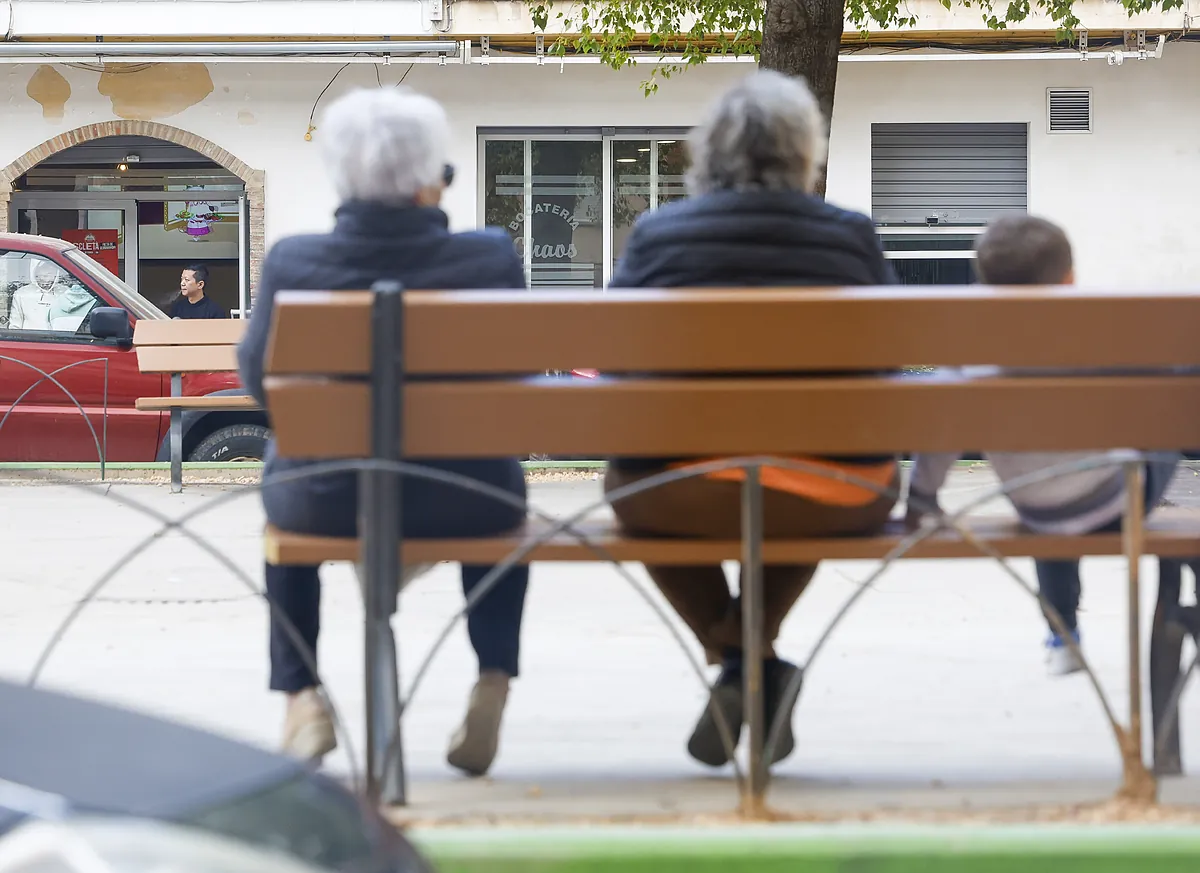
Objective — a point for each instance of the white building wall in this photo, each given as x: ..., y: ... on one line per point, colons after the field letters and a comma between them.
x: 1126, y: 192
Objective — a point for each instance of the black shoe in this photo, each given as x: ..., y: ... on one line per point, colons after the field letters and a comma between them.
x: 706, y: 744
x: 778, y: 676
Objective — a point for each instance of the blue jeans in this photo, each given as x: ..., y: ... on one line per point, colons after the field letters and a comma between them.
x: 1058, y: 581
x: 430, y: 510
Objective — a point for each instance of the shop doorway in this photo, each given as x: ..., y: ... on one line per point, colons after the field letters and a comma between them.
x: 146, y: 209
x: 569, y: 198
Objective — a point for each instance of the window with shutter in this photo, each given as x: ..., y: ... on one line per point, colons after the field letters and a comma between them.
x: 948, y: 174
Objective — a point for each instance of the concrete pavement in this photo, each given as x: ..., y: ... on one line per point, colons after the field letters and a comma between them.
x: 930, y: 697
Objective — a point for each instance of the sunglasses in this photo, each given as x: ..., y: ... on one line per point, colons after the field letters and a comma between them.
x: 448, y: 175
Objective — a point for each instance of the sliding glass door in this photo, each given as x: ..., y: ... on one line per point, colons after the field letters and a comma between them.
x: 569, y: 201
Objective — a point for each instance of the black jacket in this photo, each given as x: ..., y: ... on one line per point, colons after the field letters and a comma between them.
x: 761, y: 238
x: 369, y: 243
x: 735, y: 238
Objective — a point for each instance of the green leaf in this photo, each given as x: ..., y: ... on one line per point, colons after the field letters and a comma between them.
x: 695, y: 30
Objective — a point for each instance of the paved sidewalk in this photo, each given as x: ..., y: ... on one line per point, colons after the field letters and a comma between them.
x: 931, y: 696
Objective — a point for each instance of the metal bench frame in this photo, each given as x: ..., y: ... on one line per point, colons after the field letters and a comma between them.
x: 418, y: 418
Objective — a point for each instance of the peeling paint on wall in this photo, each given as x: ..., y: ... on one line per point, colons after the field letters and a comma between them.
x: 49, y: 89
x: 246, y: 117
x: 151, y: 91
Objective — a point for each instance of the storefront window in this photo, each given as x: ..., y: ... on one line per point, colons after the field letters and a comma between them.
x: 504, y: 187
x: 938, y: 256
x: 569, y: 202
x: 646, y: 174
x: 566, y: 231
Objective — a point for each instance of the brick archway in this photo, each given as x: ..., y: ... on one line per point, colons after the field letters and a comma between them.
x: 255, y: 180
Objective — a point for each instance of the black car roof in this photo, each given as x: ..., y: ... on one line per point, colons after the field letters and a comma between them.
x: 101, y: 758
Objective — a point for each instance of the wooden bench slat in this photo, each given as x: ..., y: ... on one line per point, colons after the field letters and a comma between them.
x: 711, y: 417
x: 188, y: 332
x: 1169, y: 534
x: 342, y: 318
x: 187, y: 359
x: 717, y: 330
x: 159, y: 404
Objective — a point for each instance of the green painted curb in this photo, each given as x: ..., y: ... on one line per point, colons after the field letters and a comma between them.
x: 780, y: 848
x: 773, y: 839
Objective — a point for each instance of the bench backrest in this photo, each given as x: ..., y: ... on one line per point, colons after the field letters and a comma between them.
x: 716, y: 356
x: 188, y: 346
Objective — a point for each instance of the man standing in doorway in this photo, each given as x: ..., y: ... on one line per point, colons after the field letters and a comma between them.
x: 192, y: 302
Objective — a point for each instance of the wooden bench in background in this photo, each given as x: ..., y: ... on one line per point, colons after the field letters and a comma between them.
x: 358, y: 375
x: 181, y: 347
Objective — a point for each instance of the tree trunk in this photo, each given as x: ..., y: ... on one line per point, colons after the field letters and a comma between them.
x: 803, y: 38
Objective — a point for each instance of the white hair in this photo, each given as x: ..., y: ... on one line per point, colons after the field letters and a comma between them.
x: 384, y: 144
x: 765, y: 132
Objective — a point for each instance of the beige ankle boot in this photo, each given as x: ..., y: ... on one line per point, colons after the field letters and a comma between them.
x: 474, y: 745
x: 308, y: 728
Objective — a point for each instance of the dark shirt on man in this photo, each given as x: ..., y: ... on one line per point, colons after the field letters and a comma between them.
x: 205, y: 307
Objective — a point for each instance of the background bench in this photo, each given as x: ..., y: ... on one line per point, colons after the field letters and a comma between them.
x: 361, y: 375
x: 188, y: 346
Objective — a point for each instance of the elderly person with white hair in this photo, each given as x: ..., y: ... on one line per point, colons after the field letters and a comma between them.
x: 386, y: 152
x: 751, y: 219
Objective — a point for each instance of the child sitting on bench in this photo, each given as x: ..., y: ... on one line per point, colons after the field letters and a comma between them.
x: 1031, y: 251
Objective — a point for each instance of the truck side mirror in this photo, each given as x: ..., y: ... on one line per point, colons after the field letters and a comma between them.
x: 111, y: 323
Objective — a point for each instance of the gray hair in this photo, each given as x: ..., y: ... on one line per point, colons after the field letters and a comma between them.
x: 765, y: 132
x: 384, y: 144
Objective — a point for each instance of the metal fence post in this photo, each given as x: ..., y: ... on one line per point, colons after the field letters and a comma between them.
x: 1138, y: 783
x: 176, y: 436
x: 380, y: 529
x: 751, y: 592
x: 1166, y: 650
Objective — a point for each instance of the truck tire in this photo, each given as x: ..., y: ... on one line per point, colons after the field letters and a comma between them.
x: 237, y: 442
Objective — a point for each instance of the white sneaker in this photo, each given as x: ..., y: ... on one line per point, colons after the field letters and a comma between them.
x: 308, y: 728
x: 1061, y: 659
x: 474, y: 745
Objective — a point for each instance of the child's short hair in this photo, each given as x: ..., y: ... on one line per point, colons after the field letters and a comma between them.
x: 1023, y: 250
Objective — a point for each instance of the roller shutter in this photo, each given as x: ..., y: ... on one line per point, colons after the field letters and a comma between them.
x: 961, y: 173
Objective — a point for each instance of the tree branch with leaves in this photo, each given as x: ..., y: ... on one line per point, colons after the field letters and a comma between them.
x: 796, y: 37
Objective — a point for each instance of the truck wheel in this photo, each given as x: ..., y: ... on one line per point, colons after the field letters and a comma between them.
x: 238, y: 442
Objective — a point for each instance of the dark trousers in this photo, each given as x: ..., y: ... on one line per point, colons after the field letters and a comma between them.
x: 430, y: 510
x: 703, y: 507
x: 1058, y: 581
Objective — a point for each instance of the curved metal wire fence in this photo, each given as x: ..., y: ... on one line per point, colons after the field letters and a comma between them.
x: 100, y: 440
x: 569, y: 526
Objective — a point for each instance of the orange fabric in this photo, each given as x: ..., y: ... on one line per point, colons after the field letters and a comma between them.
x: 812, y: 485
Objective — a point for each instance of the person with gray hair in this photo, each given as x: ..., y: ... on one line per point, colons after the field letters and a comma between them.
x: 386, y: 153
x: 751, y: 219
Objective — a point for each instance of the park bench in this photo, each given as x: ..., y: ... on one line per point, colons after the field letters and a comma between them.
x: 371, y: 375
x: 188, y: 346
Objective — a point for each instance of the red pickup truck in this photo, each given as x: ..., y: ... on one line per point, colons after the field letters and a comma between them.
x: 69, y: 380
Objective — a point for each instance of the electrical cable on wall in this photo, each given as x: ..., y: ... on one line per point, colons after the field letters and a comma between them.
x: 316, y: 103
x: 313, y: 114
